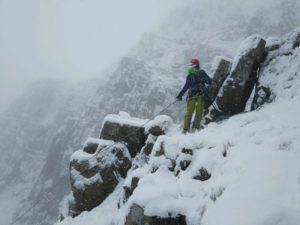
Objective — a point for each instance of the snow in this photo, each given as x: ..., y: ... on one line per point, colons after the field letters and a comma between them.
x: 273, y: 41
x: 216, y: 62
x: 247, y: 45
x: 256, y: 182
x: 255, y: 171
x: 162, y: 121
x: 281, y: 72
x: 80, y: 156
x: 81, y: 182
x: 100, y: 142
x: 104, y: 214
x: 254, y: 158
x: 103, y: 157
x: 124, y: 118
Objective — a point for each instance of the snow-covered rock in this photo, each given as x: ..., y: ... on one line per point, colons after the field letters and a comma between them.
x: 262, y: 95
x: 147, y: 149
x: 160, y: 125
x: 129, y: 188
x: 238, y: 86
x: 296, y: 41
x: 136, y: 216
x: 126, y: 129
x: 270, y: 80
x: 94, y: 175
x: 220, y: 69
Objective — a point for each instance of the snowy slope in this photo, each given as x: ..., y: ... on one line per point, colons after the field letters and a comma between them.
x: 142, y: 83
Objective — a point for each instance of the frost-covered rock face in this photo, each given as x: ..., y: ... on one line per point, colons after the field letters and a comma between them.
x: 236, y: 90
x: 95, y: 175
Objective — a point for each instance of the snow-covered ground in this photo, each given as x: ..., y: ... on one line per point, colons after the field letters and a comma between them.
x: 253, y: 159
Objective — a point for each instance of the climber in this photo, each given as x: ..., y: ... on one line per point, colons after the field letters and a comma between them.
x: 195, y: 83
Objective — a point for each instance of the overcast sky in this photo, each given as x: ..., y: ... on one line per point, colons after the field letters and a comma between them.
x: 72, y: 39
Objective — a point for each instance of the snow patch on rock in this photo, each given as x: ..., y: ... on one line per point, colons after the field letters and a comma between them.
x: 124, y: 118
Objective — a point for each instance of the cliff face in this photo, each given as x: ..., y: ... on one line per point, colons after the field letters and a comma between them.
x: 208, y: 176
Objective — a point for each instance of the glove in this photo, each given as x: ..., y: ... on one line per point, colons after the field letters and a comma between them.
x: 179, y: 98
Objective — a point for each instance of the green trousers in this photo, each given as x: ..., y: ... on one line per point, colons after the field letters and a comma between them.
x: 192, y: 104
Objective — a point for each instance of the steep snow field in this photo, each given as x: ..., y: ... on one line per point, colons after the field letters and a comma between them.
x: 253, y: 159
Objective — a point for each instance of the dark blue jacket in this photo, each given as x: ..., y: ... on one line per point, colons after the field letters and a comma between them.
x: 195, y: 83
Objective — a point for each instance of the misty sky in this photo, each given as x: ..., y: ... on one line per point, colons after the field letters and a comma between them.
x: 72, y: 39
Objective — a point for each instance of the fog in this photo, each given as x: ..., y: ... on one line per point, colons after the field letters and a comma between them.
x: 69, y: 39
x: 78, y: 39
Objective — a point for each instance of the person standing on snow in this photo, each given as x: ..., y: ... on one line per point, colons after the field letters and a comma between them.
x: 195, y: 84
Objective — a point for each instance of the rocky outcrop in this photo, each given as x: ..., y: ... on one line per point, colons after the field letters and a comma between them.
x: 128, y: 189
x: 261, y: 96
x: 296, y: 42
x: 202, y: 175
x: 183, y: 160
x: 95, y: 170
x: 176, y: 161
x: 274, y: 48
x: 236, y: 90
x: 147, y: 149
x: 91, y: 146
x: 124, y: 128
x: 220, y: 70
x: 160, y: 125
x: 137, y: 216
x: 273, y: 44
x: 95, y: 175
